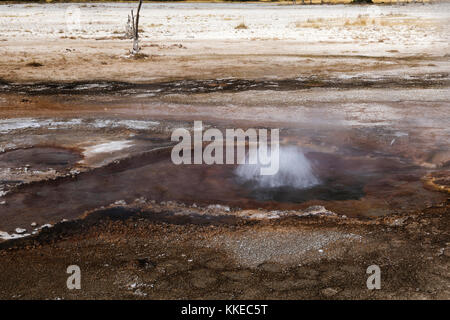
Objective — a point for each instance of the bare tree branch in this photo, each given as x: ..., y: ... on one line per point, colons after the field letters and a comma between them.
x: 136, y: 29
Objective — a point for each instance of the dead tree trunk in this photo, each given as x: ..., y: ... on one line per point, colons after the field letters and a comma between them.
x: 136, y: 29
x: 129, y: 28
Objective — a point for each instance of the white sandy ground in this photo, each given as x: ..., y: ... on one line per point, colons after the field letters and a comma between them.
x: 107, y: 147
x: 7, y: 125
x: 414, y: 28
x: 251, y: 249
x: 398, y: 25
x: 201, y: 41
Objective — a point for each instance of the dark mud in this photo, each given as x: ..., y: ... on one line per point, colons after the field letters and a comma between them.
x: 39, y: 158
x: 115, y: 214
x: 434, y: 80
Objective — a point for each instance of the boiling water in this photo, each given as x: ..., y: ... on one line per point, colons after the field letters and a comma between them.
x: 295, y: 170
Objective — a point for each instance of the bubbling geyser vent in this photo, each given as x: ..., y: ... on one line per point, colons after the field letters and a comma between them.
x: 295, y: 171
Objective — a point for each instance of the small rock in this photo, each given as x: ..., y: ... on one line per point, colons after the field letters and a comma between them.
x: 329, y: 292
x: 398, y: 222
x: 140, y: 200
x: 132, y: 285
x: 48, y: 225
x: 33, y: 224
x: 74, y: 172
x: 317, y: 210
x: 219, y: 207
x: 20, y: 230
x: 139, y: 293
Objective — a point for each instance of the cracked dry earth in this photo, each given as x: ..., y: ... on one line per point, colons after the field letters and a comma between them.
x: 146, y: 251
